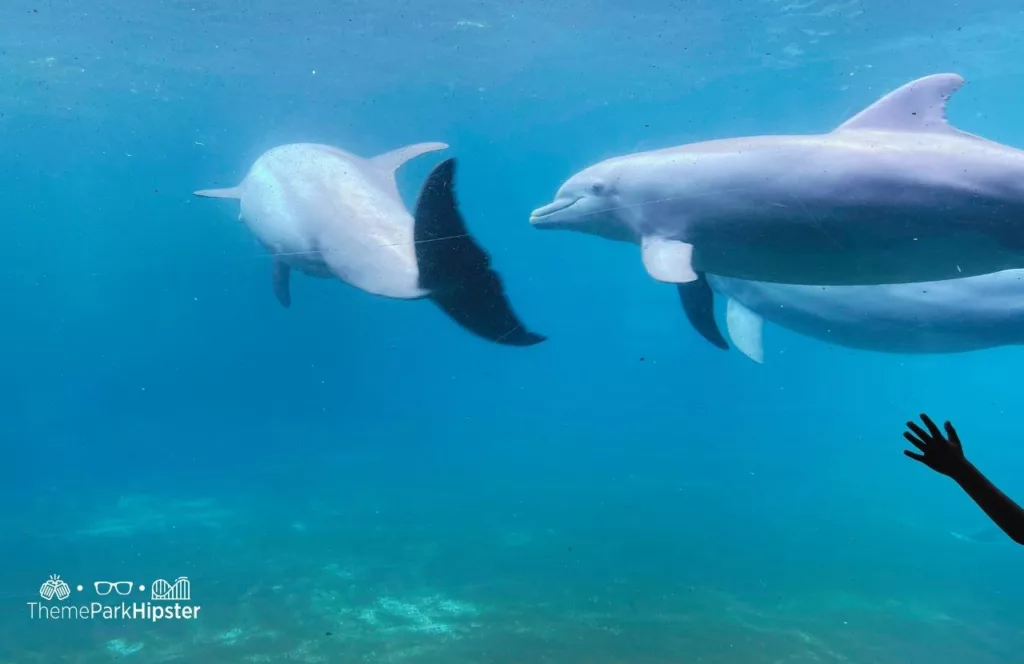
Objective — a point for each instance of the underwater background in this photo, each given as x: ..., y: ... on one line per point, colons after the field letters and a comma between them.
x: 357, y: 479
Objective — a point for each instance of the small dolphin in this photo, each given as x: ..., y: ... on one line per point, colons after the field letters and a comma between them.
x: 893, y: 195
x: 987, y: 533
x: 949, y: 316
x: 329, y: 213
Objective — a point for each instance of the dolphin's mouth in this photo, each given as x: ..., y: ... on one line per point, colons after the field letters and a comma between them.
x: 542, y: 214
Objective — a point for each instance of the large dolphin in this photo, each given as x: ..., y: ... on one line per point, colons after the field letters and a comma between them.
x: 893, y: 195
x: 329, y: 213
x: 948, y: 316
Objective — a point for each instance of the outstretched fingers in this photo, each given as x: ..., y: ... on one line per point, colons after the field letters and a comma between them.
x: 918, y: 431
x: 934, y: 430
x: 915, y: 441
x: 951, y: 434
x: 915, y: 456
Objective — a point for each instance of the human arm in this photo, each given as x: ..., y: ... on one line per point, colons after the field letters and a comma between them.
x: 945, y: 455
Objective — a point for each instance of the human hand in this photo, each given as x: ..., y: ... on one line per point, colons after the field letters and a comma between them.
x: 943, y: 454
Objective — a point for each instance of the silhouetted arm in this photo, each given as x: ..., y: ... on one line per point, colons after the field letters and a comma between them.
x: 997, y: 505
x: 945, y: 455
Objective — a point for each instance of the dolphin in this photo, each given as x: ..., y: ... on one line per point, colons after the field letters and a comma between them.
x: 895, y: 194
x: 948, y: 316
x: 331, y: 214
x: 986, y: 533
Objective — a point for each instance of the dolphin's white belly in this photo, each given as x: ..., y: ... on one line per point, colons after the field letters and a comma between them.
x: 326, y: 213
x: 883, y: 207
x: 948, y: 316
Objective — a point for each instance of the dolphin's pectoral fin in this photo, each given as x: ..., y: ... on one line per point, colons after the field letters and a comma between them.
x: 670, y: 261
x: 282, y: 279
x: 232, y: 192
x: 699, y: 305
x: 746, y: 329
x: 918, y: 106
x: 392, y: 161
x: 456, y: 271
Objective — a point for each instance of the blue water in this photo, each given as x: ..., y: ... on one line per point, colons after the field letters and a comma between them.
x: 356, y: 479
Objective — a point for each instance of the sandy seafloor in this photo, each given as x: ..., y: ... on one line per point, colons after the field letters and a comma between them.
x: 506, y: 581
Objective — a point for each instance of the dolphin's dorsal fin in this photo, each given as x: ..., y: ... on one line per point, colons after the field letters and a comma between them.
x: 392, y: 161
x: 918, y: 106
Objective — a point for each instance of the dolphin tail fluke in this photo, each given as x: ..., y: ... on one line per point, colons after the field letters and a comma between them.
x: 698, y: 302
x: 231, y: 192
x: 456, y: 271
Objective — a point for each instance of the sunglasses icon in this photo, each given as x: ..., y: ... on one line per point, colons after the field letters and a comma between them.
x: 121, y: 587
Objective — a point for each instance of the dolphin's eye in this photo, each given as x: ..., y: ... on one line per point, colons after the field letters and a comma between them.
x: 597, y: 188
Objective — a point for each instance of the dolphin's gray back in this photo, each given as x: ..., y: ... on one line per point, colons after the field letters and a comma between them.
x: 883, y: 205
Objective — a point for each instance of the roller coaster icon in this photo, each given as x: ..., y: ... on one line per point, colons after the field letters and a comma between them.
x: 180, y: 590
